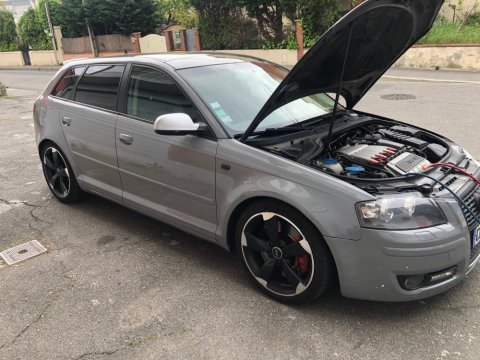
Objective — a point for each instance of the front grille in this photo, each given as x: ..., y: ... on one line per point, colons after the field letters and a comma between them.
x: 470, y: 201
x: 474, y: 253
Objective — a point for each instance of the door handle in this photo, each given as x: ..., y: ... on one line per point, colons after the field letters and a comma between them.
x: 126, y: 139
x: 66, y: 121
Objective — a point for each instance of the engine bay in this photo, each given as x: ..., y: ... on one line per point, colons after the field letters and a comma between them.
x: 368, y: 150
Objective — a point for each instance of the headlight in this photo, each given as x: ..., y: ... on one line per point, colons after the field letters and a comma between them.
x: 470, y: 157
x: 400, y: 212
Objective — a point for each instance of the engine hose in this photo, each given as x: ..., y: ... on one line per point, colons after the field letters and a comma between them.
x: 460, y: 201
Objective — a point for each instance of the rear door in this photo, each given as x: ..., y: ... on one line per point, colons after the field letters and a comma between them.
x: 169, y: 177
x: 89, y: 127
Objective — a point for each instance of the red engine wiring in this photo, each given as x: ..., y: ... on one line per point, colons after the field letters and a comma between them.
x: 456, y: 168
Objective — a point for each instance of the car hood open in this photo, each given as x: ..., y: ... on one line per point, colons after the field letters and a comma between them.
x: 378, y: 31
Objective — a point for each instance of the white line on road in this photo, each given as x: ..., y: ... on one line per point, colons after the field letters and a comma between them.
x: 430, y: 80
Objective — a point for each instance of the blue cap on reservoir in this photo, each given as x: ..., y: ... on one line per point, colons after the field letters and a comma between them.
x: 354, y: 169
x: 329, y: 161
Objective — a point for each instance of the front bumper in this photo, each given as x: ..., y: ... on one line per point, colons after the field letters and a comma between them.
x: 368, y: 268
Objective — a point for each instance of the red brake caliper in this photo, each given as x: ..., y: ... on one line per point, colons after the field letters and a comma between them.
x: 301, y: 262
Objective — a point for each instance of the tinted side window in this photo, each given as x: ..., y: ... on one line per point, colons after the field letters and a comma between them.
x: 152, y: 93
x: 99, y: 86
x: 65, y: 87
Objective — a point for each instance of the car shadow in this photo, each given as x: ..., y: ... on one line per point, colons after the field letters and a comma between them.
x: 216, y: 259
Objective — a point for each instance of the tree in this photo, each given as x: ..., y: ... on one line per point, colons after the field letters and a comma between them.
x: 31, y: 31
x: 222, y: 24
x: 316, y: 15
x: 121, y: 16
x: 41, y: 13
x: 71, y: 16
x: 269, y: 17
x: 177, y: 12
x: 136, y: 15
x: 8, y: 34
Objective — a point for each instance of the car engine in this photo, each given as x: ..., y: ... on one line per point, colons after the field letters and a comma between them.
x: 372, y: 150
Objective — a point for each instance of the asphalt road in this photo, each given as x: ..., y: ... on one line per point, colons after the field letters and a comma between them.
x: 117, y: 285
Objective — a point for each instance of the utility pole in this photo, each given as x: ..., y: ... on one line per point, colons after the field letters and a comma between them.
x: 93, y: 44
x: 47, y: 10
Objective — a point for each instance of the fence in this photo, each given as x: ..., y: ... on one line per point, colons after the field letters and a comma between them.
x: 107, y: 43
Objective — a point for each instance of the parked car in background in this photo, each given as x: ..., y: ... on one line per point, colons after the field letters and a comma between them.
x: 251, y: 156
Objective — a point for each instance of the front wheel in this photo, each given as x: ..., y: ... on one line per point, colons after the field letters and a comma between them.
x: 59, y: 175
x: 283, y: 253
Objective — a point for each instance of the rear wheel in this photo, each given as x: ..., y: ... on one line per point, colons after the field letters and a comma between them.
x: 283, y: 253
x: 59, y: 175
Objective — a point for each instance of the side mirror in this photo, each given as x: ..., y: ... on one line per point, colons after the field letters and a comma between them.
x: 177, y: 124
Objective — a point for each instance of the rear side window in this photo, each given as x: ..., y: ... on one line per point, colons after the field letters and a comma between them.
x: 65, y: 87
x: 99, y: 86
x: 152, y: 93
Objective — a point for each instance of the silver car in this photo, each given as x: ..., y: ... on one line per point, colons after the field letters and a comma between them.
x: 276, y: 164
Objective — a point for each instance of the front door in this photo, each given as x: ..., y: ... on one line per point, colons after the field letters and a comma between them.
x: 169, y: 177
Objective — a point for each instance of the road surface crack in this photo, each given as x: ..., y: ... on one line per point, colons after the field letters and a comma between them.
x: 20, y: 202
x: 40, y: 316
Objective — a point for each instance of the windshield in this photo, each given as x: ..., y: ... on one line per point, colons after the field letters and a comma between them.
x: 236, y: 93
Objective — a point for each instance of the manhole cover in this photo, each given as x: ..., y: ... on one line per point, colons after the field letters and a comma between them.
x: 22, y: 252
x: 398, y: 97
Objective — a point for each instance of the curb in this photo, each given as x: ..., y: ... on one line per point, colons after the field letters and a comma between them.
x: 415, y: 79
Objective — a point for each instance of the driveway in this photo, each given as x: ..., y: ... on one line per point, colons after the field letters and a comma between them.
x: 118, y: 285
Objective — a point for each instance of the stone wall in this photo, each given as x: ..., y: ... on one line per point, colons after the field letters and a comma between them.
x: 11, y: 58
x: 44, y: 58
x: 446, y: 57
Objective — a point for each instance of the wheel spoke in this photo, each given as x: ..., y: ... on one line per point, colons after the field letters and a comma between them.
x: 49, y: 163
x: 62, y: 186
x: 295, y: 249
x: 291, y: 275
x: 267, y: 269
x: 55, y: 158
x: 63, y: 173
x: 53, y: 180
x: 256, y: 243
x: 271, y: 225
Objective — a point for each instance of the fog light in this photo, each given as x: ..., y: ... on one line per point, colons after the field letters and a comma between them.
x: 441, y: 276
x: 413, y: 282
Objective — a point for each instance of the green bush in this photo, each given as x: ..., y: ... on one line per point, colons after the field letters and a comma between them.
x: 8, y: 47
x: 32, y: 33
x: 473, y: 19
x: 8, y: 34
x: 3, y: 90
x: 444, y: 32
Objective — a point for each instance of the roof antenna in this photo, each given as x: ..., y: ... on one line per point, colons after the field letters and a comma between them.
x: 337, y: 97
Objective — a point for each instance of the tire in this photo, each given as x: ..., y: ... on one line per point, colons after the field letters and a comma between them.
x: 59, y: 174
x: 283, y: 253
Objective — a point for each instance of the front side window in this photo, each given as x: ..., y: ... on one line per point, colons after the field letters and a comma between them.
x: 152, y: 93
x: 65, y: 87
x: 99, y: 86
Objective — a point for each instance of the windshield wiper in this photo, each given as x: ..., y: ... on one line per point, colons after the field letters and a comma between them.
x: 273, y: 131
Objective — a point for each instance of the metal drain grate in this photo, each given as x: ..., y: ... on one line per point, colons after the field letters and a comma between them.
x: 398, y: 97
x: 22, y: 252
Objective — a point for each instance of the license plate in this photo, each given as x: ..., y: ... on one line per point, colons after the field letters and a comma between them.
x: 475, y: 237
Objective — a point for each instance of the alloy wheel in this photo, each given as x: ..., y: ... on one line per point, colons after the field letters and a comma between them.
x: 56, y: 172
x: 277, y: 254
